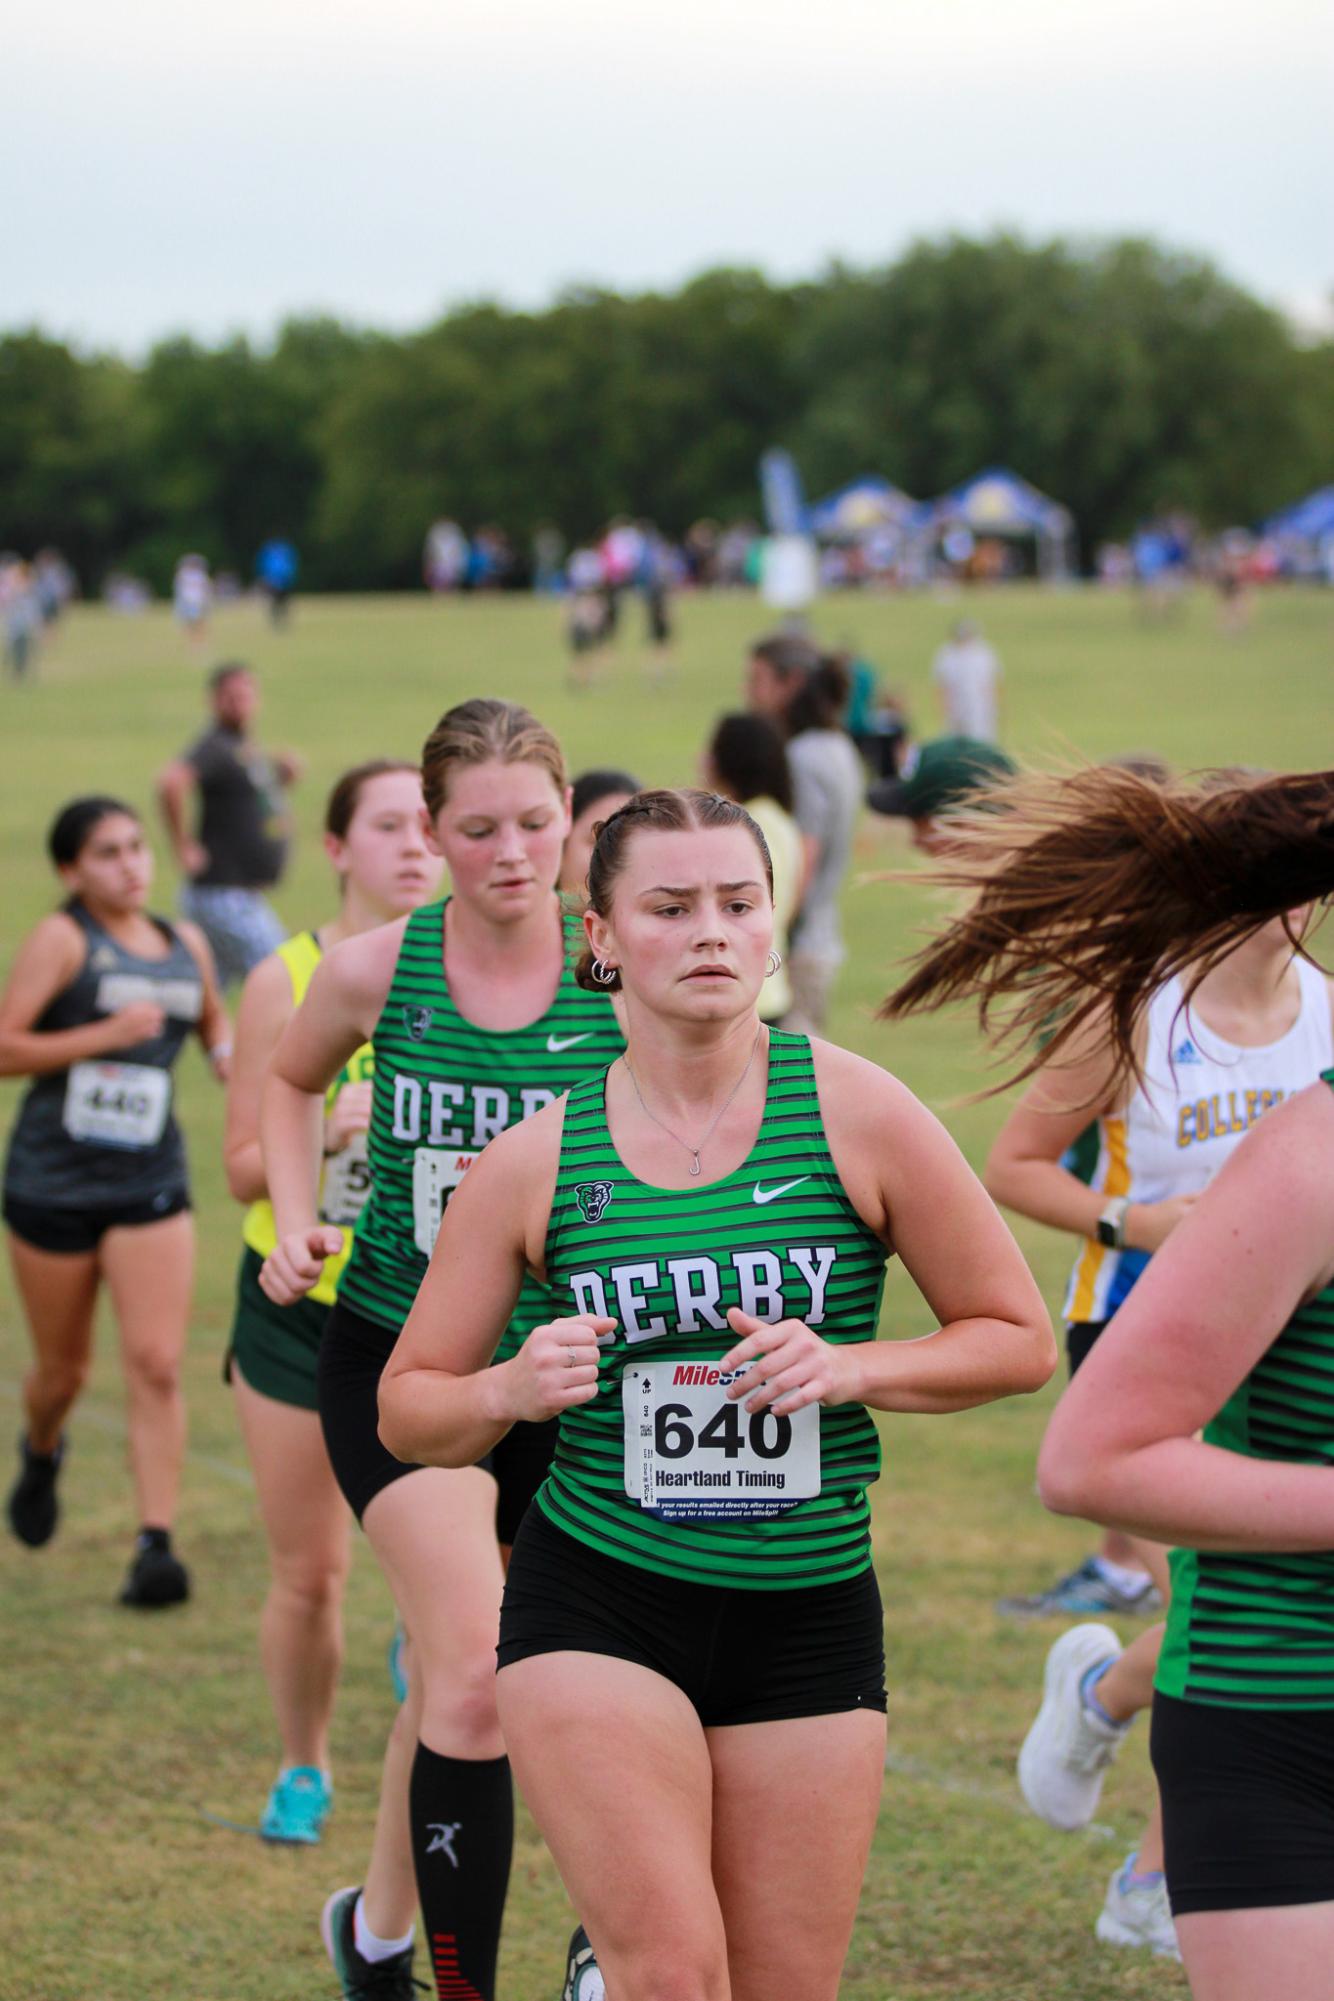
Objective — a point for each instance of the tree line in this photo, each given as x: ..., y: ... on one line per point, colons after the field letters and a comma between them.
x: 1121, y: 377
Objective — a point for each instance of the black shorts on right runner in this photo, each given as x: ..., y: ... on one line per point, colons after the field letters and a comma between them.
x: 1248, y: 1804
x: 739, y: 1656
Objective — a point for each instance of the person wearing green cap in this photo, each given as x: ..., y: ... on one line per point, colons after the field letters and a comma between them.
x: 934, y: 779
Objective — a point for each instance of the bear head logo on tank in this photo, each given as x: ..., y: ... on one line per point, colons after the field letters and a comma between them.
x: 593, y: 1197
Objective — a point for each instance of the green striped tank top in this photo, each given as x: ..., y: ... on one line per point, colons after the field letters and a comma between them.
x: 1254, y: 1630
x: 443, y: 1088
x: 660, y: 1470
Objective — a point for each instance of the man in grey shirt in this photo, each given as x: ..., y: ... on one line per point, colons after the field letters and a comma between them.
x: 239, y: 847
x: 805, y: 693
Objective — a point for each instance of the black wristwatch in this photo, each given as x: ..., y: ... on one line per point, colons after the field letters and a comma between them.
x: 1112, y: 1223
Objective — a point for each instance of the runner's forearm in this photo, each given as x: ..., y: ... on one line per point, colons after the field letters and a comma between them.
x: 1197, y: 1496
x: 435, y: 1419
x: 32, y: 1053
x: 291, y: 1125
x: 967, y: 1363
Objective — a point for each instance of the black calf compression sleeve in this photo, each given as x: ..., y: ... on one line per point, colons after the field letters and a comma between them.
x: 462, y: 1841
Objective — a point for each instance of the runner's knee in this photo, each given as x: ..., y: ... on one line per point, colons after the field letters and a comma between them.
x: 312, y: 1585
x: 670, y: 1969
x: 60, y: 1378
x: 460, y: 1702
x: 154, y: 1371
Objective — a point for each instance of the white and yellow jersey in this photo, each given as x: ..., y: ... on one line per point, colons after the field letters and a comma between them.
x: 346, y: 1178
x: 1200, y: 1095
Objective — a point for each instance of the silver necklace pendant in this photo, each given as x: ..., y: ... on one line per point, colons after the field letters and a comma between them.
x: 694, y: 1151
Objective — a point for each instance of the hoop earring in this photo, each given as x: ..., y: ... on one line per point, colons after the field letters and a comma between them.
x: 775, y: 961
x: 602, y: 972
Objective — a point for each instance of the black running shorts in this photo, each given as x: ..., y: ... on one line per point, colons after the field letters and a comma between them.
x: 1080, y: 1336
x: 69, y: 1232
x: 740, y: 1656
x: 351, y: 1361
x: 1248, y: 1804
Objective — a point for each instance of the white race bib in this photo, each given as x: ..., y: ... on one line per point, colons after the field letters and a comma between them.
x: 694, y: 1454
x: 117, y: 1104
x: 346, y: 1184
x: 436, y: 1173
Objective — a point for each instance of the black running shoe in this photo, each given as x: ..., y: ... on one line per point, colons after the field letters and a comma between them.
x: 583, y: 1976
x: 156, y: 1576
x: 33, y: 1507
x: 363, y: 1979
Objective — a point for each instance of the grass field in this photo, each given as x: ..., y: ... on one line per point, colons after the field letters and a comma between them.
x: 123, y: 1732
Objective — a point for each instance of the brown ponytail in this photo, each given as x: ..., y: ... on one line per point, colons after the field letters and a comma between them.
x: 1088, y: 891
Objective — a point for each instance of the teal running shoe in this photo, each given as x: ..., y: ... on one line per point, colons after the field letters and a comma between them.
x: 397, y: 1672
x: 298, y: 1806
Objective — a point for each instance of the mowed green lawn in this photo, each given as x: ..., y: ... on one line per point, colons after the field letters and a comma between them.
x: 124, y: 1731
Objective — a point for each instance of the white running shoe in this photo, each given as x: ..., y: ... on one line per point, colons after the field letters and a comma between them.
x: 1138, y: 1914
x: 1066, y: 1754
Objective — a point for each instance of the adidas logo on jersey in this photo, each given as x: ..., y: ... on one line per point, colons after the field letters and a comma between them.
x: 1186, y: 1052
x: 102, y: 959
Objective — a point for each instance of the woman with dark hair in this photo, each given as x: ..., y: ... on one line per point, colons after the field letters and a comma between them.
x: 747, y: 761
x: 374, y: 840
x: 805, y: 693
x: 594, y: 796
x: 692, y: 1654
x: 1088, y: 894
x: 476, y: 1022
x: 99, y: 1001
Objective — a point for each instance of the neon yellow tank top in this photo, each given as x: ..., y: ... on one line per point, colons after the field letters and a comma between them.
x: 346, y: 1179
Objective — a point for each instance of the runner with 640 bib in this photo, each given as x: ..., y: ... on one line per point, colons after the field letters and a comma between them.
x: 691, y: 1657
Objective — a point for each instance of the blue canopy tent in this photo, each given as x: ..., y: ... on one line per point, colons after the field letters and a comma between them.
x: 999, y: 502
x: 859, y: 508
x: 1309, y: 520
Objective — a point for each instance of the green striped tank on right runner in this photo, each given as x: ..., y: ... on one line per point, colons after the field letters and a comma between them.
x: 1255, y: 1630
x: 660, y: 1470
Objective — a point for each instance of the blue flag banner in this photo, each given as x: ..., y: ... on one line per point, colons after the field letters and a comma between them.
x: 780, y: 486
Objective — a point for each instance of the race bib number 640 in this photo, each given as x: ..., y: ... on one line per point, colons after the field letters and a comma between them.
x: 694, y: 1454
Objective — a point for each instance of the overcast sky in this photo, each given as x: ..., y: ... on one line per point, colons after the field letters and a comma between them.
x: 208, y: 168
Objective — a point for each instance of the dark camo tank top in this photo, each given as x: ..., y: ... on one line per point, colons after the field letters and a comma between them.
x: 101, y: 1133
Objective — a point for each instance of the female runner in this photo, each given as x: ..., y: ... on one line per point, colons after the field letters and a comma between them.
x: 747, y: 761
x: 100, y: 999
x: 594, y: 796
x: 1231, y: 1328
x: 691, y: 1661
x: 1257, y: 1030
x: 373, y: 837
x: 476, y: 1023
